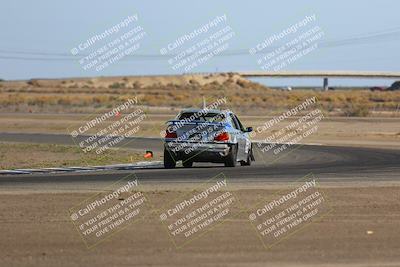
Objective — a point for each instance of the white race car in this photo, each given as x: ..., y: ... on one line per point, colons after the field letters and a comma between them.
x: 198, y: 135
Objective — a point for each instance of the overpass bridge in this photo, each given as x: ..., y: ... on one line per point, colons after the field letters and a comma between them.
x: 323, y: 74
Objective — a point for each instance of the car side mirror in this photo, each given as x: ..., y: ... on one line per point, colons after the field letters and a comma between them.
x: 249, y: 129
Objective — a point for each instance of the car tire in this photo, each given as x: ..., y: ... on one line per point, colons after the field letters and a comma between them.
x: 187, y: 163
x: 169, y: 161
x: 249, y: 158
x: 247, y: 162
x: 231, y: 159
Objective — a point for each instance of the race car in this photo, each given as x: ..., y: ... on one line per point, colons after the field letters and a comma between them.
x: 203, y: 135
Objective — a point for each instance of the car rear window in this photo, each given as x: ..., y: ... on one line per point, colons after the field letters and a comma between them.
x: 207, y: 117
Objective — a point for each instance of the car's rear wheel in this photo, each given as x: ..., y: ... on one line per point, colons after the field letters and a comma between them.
x: 169, y: 161
x: 247, y: 162
x: 187, y: 163
x: 249, y: 158
x: 231, y: 159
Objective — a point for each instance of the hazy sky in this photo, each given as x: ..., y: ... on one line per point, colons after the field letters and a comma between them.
x: 37, y: 36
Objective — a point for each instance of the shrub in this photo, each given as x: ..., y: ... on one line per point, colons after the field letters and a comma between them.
x: 242, y: 83
x: 193, y: 82
x: 136, y: 85
x: 116, y: 85
x: 34, y: 82
x: 356, y: 110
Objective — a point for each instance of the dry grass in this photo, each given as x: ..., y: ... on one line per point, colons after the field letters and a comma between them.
x: 24, y: 155
x: 90, y: 95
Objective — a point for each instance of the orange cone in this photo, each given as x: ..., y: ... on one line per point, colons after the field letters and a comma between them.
x: 148, y: 155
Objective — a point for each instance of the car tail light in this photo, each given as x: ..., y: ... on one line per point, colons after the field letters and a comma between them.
x: 169, y: 133
x: 222, y: 137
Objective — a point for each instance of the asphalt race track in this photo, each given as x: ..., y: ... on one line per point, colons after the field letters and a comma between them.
x: 328, y: 163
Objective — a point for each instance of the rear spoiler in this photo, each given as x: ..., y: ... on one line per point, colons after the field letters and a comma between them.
x: 173, y: 122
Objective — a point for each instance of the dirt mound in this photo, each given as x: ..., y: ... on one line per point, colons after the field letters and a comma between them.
x: 139, y: 81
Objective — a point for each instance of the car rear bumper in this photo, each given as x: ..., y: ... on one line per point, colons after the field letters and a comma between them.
x: 189, y: 147
x: 206, y: 152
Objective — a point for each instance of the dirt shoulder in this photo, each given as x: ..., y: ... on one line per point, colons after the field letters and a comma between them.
x: 361, y: 230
